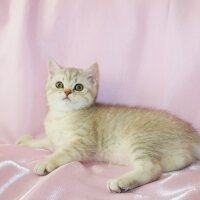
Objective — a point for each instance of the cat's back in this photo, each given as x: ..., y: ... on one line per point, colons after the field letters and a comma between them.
x: 140, y: 118
x: 134, y: 114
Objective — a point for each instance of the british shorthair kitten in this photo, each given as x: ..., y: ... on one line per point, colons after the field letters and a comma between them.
x: 78, y: 129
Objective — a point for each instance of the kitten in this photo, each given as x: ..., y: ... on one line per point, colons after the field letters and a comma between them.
x: 78, y: 129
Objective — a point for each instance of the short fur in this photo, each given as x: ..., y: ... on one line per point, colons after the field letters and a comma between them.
x: 77, y: 129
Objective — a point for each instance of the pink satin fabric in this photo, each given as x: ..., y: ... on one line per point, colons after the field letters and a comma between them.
x: 148, y: 53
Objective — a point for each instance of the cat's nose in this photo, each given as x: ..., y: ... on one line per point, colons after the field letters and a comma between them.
x: 68, y: 91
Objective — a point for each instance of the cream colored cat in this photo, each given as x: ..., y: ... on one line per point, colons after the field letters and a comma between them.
x: 77, y: 129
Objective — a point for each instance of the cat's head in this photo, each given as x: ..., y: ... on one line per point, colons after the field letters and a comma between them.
x: 71, y: 88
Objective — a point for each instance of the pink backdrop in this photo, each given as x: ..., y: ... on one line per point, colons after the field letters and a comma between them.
x: 148, y: 52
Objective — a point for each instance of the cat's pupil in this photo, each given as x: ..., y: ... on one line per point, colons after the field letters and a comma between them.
x: 59, y: 84
x: 78, y: 87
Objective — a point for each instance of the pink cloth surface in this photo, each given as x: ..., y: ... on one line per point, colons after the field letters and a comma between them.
x: 149, y: 55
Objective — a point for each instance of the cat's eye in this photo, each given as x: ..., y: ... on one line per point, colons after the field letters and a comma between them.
x: 59, y: 84
x: 78, y: 87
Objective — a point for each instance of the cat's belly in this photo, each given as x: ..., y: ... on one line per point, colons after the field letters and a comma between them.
x: 116, y: 154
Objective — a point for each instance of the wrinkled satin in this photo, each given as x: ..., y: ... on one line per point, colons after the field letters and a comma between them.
x: 83, y: 180
x: 148, y: 53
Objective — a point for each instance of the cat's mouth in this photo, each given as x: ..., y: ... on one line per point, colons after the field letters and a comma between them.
x: 66, y: 99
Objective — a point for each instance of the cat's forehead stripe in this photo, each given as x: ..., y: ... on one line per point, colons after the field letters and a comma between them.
x: 72, y: 74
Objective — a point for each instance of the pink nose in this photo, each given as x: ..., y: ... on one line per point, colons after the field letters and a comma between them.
x: 68, y: 91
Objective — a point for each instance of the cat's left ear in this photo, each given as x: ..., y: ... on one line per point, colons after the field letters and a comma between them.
x: 93, y: 73
x: 53, y: 66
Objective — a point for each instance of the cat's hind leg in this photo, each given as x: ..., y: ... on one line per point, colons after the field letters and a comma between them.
x: 29, y: 141
x: 177, y: 161
x: 145, y: 170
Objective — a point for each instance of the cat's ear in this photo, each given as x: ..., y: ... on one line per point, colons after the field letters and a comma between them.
x: 93, y: 73
x: 53, y: 66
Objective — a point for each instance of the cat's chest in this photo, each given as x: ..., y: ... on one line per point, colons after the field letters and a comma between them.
x: 60, y: 130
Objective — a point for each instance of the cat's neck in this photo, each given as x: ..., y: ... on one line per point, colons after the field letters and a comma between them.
x: 54, y: 113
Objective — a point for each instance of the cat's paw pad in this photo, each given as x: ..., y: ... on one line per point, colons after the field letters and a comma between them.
x: 24, y: 140
x: 118, y: 185
x: 44, y: 167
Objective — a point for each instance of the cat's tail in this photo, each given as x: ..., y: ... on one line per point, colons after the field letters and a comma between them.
x: 196, y: 150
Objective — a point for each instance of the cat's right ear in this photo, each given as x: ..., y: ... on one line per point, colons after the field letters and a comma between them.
x: 93, y: 73
x: 53, y: 66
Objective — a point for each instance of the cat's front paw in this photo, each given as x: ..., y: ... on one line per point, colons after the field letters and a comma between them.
x: 44, y: 167
x: 24, y: 140
x: 118, y: 185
